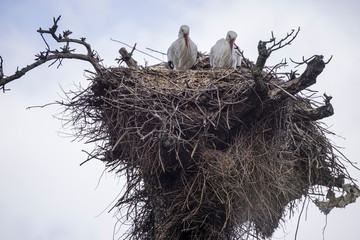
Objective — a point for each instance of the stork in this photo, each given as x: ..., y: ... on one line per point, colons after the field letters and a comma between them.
x: 223, y: 54
x: 183, y: 52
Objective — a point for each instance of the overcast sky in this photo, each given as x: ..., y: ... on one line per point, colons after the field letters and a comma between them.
x: 45, y: 194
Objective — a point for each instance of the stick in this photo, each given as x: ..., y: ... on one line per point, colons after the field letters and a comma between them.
x: 136, y: 49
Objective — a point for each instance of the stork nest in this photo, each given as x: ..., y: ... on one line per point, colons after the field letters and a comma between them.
x: 204, y: 156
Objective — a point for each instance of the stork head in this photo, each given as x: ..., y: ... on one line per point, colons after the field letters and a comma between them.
x: 184, y: 33
x: 230, y: 37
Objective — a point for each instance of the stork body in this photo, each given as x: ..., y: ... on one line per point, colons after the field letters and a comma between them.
x: 183, y: 52
x: 223, y: 54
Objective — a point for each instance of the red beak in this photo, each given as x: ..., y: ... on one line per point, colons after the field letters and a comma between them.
x: 186, y: 40
x: 231, y: 44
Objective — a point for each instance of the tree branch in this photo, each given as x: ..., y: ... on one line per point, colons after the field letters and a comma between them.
x: 127, y: 57
x: 19, y: 73
x: 308, y: 78
x: 1, y: 68
x: 48, y: 55
x: 318, y: 113
x: 264, y: 54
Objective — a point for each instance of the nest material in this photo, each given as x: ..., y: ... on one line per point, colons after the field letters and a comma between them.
x: 203, y: 155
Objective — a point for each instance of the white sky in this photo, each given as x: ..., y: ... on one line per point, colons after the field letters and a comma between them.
x: 45, y: 194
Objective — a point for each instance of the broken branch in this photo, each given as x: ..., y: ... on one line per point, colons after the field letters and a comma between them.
x: 318, y: 113
x: 127, y: 57
x: 308, y: 78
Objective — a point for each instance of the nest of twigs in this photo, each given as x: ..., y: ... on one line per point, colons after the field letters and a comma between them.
x: 204, y: 157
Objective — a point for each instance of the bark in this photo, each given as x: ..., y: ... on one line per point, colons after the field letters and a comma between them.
x: 127, y: 58
x: 308, y: 78
x: 264, y: 53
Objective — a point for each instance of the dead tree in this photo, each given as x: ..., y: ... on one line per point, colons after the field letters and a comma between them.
x: 207, y: 154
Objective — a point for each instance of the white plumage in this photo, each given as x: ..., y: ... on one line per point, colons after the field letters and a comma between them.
x: 223, y: 54
x: 183, y: 52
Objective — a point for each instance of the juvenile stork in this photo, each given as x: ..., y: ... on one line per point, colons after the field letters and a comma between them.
x: 183, y: 52
x: 223, y: 54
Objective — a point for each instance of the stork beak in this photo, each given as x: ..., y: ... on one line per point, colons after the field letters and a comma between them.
x: 186, y: 40
x: 231, y: 44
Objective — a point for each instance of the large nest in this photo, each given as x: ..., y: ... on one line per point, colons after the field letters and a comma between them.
x: 207, y: 154
x: 205, y: 157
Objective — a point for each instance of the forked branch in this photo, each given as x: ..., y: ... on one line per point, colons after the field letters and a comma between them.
x: 264, y: 53
x: 64, y: 52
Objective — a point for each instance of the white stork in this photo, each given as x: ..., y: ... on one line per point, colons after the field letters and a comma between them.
x: 183, y: 52
x: 223, y: 54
